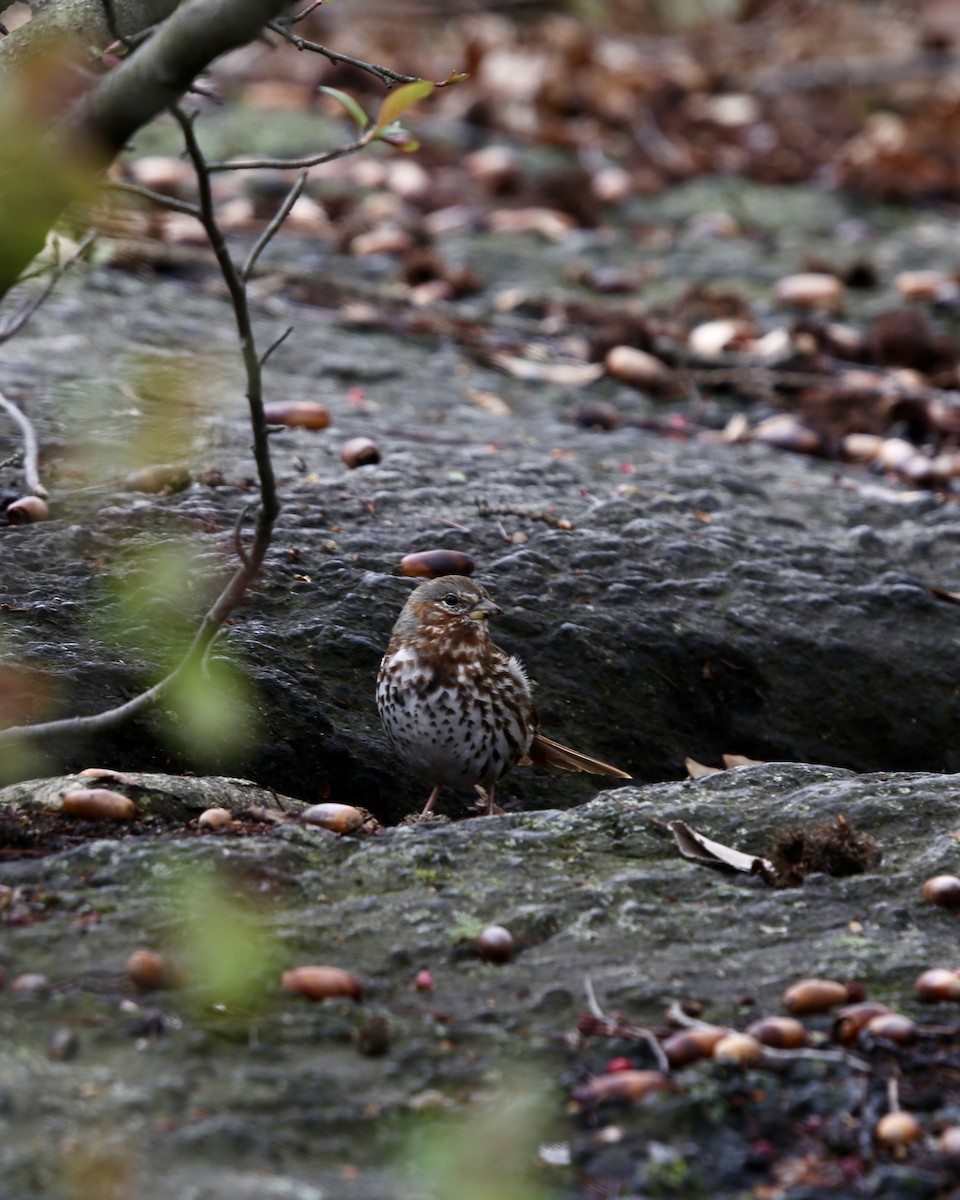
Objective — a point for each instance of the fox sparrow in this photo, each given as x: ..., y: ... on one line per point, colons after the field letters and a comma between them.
x: 457, y: 709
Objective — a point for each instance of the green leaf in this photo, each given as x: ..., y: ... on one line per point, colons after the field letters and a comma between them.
x: 401, y: 139
x: 360, y: 118
x: 399, y: 101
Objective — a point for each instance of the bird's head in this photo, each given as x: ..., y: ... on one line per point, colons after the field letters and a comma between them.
x: 452, y: 606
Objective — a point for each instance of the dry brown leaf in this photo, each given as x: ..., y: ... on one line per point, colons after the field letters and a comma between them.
x: 567, y: 374
x: 696, y: 770
x: 741, y: 760
x: 699, y: 848
x: 490, y: 402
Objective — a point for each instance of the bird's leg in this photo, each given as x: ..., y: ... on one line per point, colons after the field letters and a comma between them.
x: 486, y: 797
x: 428, y: 807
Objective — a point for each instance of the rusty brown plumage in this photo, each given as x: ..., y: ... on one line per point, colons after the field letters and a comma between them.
x: 455, y: 707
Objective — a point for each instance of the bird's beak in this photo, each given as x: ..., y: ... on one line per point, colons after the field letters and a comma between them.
x: 483, y: 609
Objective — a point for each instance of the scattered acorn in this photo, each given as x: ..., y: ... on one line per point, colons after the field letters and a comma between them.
x: 215, y: 818
x: 814, y: 996
x: 785, y: 432
x: 949, y: 1141
x: 943, y: 890
x: 163, y: 478
x: 811, y: 290
x: 782, y: 1033
x: 360, y: 452
x: 31, y: 984
x: 939, y: 983
x: 431, y: 564
x: 620, y: 1087
x: 302, y: 414
x: 850, y: 1020
x: 27, y: 510
x: 638, y: 368
x: 688, y: 1045
x: 62, y: 1045
x: 149, y: 971
x: 99, y: 804
x: 341, y: 818
x: 596, y: 414
x: 892, y: 1027
x: 738, y: 1048
x: 895, y: 1130
x: 322, y: 983
x: 495, y: 944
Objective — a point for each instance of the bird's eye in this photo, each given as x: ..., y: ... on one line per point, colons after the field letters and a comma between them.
x: 451, y: 600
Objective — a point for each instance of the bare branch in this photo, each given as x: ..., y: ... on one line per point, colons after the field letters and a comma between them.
x: 19, y: 319
x: 384, y: 74
x: 250, y: 561
x: 290, y: 164
x: 30, y: 449
x: 278, y: 219
x: 158, y: 198
x: 275, y: 344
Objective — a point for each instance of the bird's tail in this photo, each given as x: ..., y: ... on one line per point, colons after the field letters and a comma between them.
x: 544, y: 752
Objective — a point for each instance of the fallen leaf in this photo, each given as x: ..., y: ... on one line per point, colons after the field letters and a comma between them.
x: 697, y: 770
x: 741, y: 760
x: 568, y: 374
x: 699, y: 848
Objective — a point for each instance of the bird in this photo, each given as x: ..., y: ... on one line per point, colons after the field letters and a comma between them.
x: 457, y: 709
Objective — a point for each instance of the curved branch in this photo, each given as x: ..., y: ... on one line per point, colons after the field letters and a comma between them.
x: 384, y: 74
x: 30, y: 450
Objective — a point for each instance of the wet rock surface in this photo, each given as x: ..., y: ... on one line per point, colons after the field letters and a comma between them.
x: 672, y: 597
x: 183, y: 1090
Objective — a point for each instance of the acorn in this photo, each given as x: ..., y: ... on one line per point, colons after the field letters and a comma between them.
x: 620, y: 1087
x: 939, y: 983
x: 943, y: 890
x: 149, y: 971
x: 431, y: 564
x: 814, y: 996
x: 302, y: 414
x: 596, y: 414
x: 162, y: 478
x: 739, y: 1048
x: 27, y: 510
x: 850, y: 1020
x: 360, y: 452
x: 639, y: 369
x: 99, y: 804
x: 30, y: 984
x: 495, y: 944
x: 341, y: 818
x: 215, y: 818
x: 689, y: 1045
x: 785, y: 432
x: 321, y: 983
x: 892, y: 1027
x: 949, y: 1141
x: 897, y: 1129
x: 810, y: 290
x: 783, y: 1033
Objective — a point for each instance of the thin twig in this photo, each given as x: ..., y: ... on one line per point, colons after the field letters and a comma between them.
x: 275, y: 344
x: 158, y: 198
x: 617, y: 1028
x: 250, y: 561
x: 19, y: 319
x: 384, y: 74
x: 30, y: 450
x: 238, y: 545
x: 290, y: 164
x: 278, y: 219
